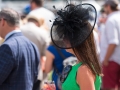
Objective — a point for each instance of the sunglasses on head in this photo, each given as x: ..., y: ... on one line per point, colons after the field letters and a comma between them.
x: 65, y: 73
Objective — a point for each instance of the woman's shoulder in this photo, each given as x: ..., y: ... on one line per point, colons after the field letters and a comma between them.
x: 83, y: 68
x: 84, y: 71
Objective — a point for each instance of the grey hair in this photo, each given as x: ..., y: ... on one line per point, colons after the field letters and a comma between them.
x: 11, y: 16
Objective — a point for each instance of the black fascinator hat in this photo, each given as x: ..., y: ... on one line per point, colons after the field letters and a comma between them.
x: 73, y: 25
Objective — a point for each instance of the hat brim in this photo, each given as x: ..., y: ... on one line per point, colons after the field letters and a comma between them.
x: 66, y: 35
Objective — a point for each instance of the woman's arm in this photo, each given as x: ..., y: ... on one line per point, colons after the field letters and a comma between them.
x: 49, y: 61
x: 85, y: 78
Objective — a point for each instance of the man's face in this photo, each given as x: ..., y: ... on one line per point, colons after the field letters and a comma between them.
x: 2, y: 25
x: 107, y: 9
x: 1, y: 21
x: 33, y: 6
x: 103, y: 18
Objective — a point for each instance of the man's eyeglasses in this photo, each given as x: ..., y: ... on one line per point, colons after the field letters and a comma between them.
x: 65, y: 73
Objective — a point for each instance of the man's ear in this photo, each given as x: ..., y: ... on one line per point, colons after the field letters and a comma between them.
x: 3, y: 22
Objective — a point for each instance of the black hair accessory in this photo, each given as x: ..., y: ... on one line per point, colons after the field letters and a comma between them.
x: 73, y: 25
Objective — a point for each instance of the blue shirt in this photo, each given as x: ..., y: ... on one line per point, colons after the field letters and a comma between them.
x: 58, y: 61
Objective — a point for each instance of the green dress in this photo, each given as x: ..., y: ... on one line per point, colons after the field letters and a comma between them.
x: 71, y: 84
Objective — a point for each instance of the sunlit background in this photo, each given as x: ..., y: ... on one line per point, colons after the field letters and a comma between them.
x: 19, y: 5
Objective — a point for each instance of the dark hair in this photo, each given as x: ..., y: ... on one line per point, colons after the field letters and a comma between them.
x: 11, y: 16
x: 39, y: 3
x: 86, y: 52
x: 102, y: 10
x: 113, y: 4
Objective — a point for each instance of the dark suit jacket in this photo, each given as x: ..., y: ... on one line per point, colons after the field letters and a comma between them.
x: 19, y: 59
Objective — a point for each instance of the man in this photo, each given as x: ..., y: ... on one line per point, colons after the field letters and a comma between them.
x: 19, y: 58
x: 37, y: 7
x: 36, y: 34
x: 110, y: 47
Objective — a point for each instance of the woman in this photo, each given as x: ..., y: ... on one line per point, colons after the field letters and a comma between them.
x: 54, y: 59
x: 72, y: 30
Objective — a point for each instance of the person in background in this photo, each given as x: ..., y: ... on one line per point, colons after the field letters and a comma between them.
x: 53, y: 57
x: 96, y: 38
x: 33, y: 31
x: 40, y: 20
x: 19, y: 57
x: 101, y: 26
x: 102, y: 17
x: 101, y: 21
x: 110, y: 47
x: 24, y: 14
x: 27, y: 10
x: 37, y: 8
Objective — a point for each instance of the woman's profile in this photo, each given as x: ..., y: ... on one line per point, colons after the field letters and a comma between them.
x: 73, y: 30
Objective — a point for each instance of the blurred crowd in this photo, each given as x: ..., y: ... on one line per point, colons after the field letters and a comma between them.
x: 36, y: 22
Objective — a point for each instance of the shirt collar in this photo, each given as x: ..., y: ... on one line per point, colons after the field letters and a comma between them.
x: 12, y: 32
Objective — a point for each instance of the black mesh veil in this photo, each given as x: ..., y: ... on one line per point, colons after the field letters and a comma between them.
x: 73, y: 25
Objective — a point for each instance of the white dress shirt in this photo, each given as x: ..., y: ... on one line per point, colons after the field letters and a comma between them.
x: 111, y: 35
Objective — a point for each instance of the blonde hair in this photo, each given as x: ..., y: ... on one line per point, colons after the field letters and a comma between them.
x: 40, y: 20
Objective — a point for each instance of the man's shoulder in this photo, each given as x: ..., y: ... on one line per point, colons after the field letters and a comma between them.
x: 9, y: 42
x: 114, y: 16
x: 34, y: 32
x: 20, y: 43
x: 30, y: 27
x: 13, y: 42
x: 110, y: 19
